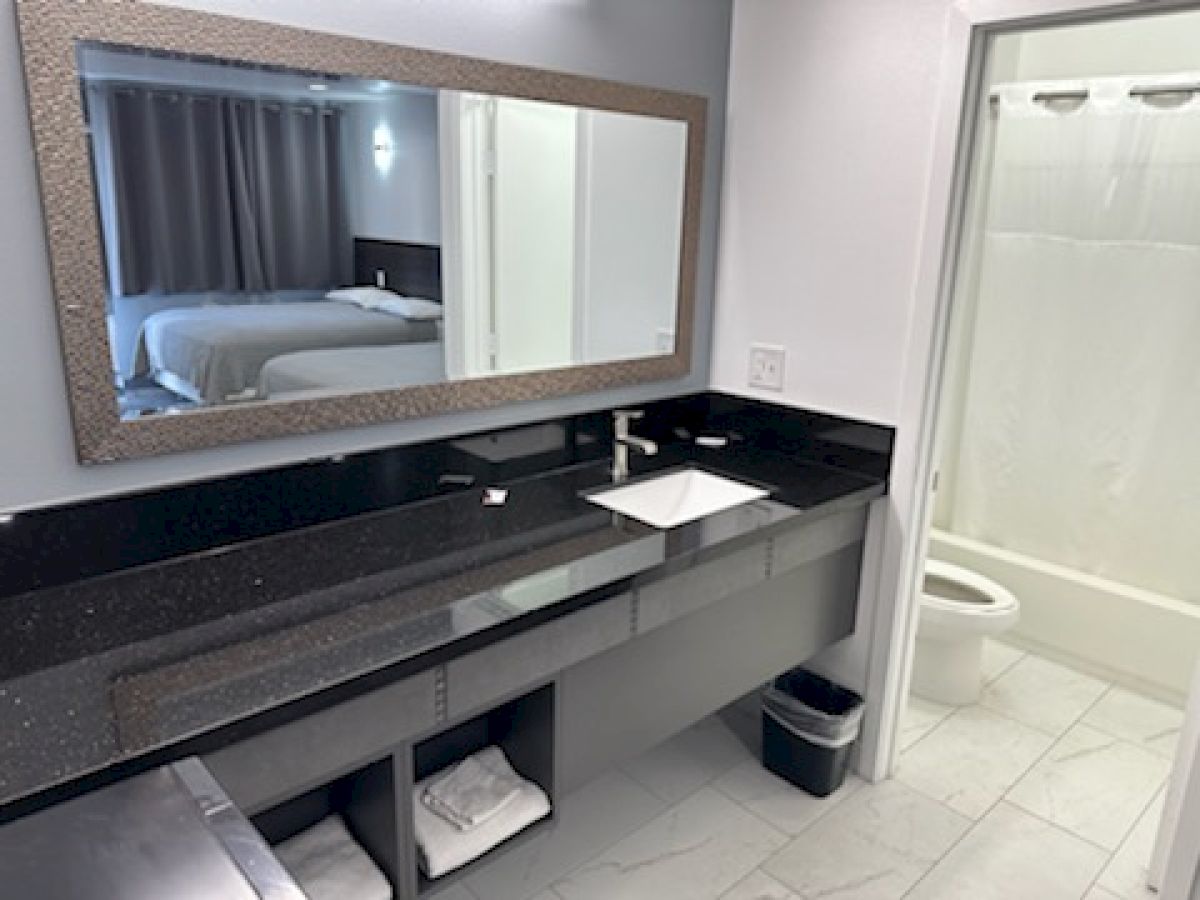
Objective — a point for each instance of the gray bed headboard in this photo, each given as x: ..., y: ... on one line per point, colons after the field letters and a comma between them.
x: 411, y: 269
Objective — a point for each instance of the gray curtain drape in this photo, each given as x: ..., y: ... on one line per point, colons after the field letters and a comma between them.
x: 203, y: 192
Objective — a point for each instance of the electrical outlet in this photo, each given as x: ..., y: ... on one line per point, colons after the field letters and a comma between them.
x: 766, y: 366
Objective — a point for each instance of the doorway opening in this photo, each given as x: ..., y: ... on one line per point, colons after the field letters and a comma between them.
x: 1060, y: 620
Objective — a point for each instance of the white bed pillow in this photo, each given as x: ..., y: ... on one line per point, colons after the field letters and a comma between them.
x: 366, y: 297
x: 383, y: 300
x: 417, y: 309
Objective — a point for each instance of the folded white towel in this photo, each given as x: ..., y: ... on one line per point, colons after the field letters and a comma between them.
x: 328, y: 864
x: 474, y: 790
x: 443, y: 848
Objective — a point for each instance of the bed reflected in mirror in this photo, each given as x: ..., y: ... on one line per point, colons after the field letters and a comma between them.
x: 271, y: 234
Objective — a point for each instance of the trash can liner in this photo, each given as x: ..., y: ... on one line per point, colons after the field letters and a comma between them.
x: 815, y: 740
x: 811, y: 707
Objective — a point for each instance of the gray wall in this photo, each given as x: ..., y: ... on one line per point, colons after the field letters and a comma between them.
x: 677, y: 44
x: 405, y: 202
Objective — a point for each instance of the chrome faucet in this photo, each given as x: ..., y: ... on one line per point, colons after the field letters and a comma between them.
x: 623, y: 441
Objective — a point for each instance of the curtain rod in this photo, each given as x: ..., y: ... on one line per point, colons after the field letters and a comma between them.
x: 1084, y: 93
x: 323, y: 104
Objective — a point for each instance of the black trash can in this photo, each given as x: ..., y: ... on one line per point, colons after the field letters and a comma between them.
x: 809, y: 725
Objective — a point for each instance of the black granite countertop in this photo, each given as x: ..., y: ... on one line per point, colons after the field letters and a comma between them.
x: 100, y: 673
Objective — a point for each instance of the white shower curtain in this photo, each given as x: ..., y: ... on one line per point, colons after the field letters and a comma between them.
x: 1080, y: 436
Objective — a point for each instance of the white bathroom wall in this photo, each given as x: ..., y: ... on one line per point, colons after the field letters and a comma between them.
x: 832, y: 106
x: 830, y: 153
x: 400, y: 199
x: 1145, y: 46
x: 831, y: 112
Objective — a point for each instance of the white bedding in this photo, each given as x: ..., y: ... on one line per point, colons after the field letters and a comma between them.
x: 348, y: 370
x: 214, y: 354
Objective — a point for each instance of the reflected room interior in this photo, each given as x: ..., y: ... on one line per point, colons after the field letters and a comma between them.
x: 271, y: 234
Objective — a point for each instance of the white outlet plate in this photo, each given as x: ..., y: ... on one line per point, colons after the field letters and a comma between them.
x: 766, y: 366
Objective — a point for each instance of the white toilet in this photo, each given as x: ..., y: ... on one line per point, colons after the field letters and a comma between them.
x: 959, y: 608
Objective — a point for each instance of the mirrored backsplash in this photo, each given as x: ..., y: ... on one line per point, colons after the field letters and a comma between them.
x: 271, y: 234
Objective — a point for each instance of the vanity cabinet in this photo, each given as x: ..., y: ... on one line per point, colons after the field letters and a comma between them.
x: 367, y: 799
x: 736, y: 627
x: 661, y: 601
x: 524, y: 727
x: 277, y: 764
x: 565, y: 699
x: 474, y: 680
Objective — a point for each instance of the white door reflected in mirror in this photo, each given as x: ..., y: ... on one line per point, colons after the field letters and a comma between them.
x: 566, y: 226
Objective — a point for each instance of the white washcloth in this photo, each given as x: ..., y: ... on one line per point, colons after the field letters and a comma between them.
x: 328, y: 864
x: 443, y: 848
x: 474, y: 790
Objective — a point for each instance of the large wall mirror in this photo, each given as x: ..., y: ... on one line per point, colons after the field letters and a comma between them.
x: 257, y: 230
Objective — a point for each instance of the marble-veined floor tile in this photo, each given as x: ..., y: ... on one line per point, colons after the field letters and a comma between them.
x: 1139, y: 720
x: 969, y: 760
x: 874, y: 846
x: 920, y: 717
x: 455, y: 891
x: 1043, y: 694
x: 1092, y: 784
x: 1127, y: 871
x: 686, y: 762
x: 588, y: 821
x: 743, y: 717
x: 781, y: 804
x: 1011, y: 854
x: 998, y: 658
x: 697, y: 850
x: 758, y: 885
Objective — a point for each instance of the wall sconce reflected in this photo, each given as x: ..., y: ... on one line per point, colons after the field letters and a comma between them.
x: 384, y: 147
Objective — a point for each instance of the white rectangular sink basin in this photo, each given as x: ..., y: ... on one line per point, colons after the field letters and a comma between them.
x: 678, y: 497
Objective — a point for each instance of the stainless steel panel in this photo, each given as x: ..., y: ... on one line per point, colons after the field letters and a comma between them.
x: 146, y: 838
x: 241, y: 840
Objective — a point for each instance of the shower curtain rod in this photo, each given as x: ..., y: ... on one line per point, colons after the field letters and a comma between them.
x: 1084, y: 93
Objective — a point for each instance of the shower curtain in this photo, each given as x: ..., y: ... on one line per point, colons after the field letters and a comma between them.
x: 1080, y: 435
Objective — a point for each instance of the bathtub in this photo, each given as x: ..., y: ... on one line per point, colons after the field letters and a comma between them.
x: 1121, y: 633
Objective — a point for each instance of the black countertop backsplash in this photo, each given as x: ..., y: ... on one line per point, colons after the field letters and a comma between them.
x: 62, y: 544
x: 223, y: 592
x: 47, y: 547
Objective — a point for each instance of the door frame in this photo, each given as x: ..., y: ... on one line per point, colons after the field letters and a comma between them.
x: 970, y: 25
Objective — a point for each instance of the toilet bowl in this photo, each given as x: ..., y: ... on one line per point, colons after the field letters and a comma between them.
x: 959, y: 608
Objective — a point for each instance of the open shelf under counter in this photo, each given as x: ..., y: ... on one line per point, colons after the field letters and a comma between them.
x: 524, y: 728
x: 365, y: 798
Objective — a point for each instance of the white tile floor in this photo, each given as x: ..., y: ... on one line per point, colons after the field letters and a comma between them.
x: 1050, y: 788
